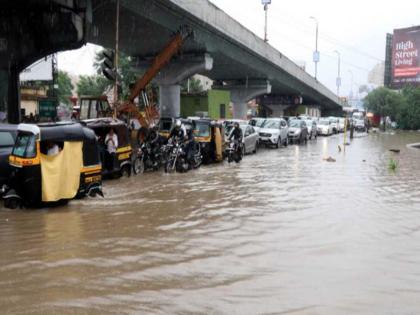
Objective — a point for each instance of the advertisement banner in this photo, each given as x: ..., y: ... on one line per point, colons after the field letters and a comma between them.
x: 405, y: 57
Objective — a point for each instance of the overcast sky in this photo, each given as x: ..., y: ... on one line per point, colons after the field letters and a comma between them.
x: 357, y: 29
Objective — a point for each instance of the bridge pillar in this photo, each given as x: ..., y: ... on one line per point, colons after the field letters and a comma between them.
x: 241, y: 94
x: 170, y: 78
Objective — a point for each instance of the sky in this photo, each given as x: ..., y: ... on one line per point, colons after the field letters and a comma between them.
x: 356, y: 29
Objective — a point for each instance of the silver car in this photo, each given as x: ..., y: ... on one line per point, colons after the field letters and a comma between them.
x: 312, y: 128
x: 250, y: 139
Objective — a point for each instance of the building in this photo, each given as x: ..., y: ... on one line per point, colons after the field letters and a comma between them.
x: 377, y: 74
x: 30, y: 96
x: 214, y: 104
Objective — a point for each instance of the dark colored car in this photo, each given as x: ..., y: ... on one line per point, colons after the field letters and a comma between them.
x: 7, y: 141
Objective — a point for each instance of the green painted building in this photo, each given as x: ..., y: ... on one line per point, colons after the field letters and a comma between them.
x: 214, y: 104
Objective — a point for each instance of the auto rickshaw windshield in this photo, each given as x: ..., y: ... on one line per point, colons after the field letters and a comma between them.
x: 25, y: 146
x: 202, y: 129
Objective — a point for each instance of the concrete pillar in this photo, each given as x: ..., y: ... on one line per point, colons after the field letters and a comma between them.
x: 170, y: 78
x: 241, y: 94
x: 170, y: 100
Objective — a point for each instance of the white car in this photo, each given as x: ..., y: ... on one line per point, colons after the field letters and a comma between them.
x: 257, y: 122
x: 274, y: 132
x: 312, y: 128
x: 334, y: 123
x: 325, y: 127
x: 341, y: 124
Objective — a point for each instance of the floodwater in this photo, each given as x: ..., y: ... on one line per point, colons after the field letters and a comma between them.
x: 284, y: 232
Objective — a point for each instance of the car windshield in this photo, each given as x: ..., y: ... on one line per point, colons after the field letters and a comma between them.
x: 6, y: 139
x: 309, y: 123
x: 258, y: 122
x: 295, y: 123
x: 324, y: 122
x: 271, y: 124
x: 25, y: 146
x: 202, y: 129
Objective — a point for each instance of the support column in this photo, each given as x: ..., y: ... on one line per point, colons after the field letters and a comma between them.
x: 170, y: 100
x: 241, y: 94
x: 13, y: 96
x: 170, y: 78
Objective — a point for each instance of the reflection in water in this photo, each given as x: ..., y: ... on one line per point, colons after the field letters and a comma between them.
x: 283, y: 232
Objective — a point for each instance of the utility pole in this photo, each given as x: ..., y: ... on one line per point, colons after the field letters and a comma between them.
x: 117, y: 38
x: 338, y: 81
x: 265, y: 3
x: 316, y: 52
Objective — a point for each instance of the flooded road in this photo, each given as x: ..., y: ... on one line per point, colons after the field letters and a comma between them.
x: 284, y: 232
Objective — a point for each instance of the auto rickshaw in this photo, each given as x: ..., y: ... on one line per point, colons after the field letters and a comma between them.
x: 53, y: 163
x: 120, y: 163
x: 210, y: 135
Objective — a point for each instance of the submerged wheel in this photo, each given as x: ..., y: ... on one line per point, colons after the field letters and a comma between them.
x: 12, y: 203
x: 126, y: 171
x: 138, y: 166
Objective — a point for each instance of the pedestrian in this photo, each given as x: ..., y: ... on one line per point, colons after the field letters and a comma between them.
x: 111, y: 142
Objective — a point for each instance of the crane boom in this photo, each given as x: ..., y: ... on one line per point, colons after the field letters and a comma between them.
x: 160, y: 61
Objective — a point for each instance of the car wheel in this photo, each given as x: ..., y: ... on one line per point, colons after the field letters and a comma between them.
x: 256, y: 148
x: 277, y: 145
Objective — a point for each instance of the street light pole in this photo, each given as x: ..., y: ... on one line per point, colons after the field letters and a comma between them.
x: 316, y: 52
x: 338, y: 82
x: 351, y: 84
x: 265, y: 3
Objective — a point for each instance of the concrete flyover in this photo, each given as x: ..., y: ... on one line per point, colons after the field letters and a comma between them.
x: 238, y: 56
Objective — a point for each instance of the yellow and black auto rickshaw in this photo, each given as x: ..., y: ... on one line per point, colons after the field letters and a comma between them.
x: 209, y: 134
x: 118, y: 163
x: 53, y: 163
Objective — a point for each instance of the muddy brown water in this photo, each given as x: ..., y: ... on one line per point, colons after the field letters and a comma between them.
x: 284, y: 232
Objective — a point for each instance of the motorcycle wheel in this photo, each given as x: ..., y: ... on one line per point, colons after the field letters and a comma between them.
x: 138, y: 166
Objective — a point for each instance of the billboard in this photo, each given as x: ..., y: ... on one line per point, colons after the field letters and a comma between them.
x: 42, y: 70
x: 405, y: 57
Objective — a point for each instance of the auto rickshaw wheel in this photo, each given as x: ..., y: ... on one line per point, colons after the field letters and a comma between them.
x: 13, y: 203
x: 126, y: 171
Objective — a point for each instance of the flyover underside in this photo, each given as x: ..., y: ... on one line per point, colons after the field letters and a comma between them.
x: 148, y: 24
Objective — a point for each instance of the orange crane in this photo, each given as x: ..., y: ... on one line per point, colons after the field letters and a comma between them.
x: 151, y: 113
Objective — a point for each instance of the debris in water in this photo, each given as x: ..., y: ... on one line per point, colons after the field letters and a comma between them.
x: 395, y: 150
x: 330, y: 159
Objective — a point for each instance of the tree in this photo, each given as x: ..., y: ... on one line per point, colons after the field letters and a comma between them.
x: 384, y: 102
x: 65, y: 87
x: 94, y: 85
x: 195, y: 86
x: 408, y: 117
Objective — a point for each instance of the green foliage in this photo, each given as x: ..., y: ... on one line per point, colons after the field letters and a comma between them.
x: 384, y: 102
x: 393, y: 165
x: 65, y: 87
x: 94, y: 85
x: 403, y: 107
x: 126, y: 73
x: 195, y: 86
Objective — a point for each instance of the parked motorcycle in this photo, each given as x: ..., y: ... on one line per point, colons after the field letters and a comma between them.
x: 234, y: 152
x: 147, y: 159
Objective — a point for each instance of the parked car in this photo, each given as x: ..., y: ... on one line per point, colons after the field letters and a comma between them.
x: 7, y: 141
x: 341, y: 124
x: 334, y: 123
x: 312, y: 128
x: 324, y: 127
x: 274, y: 132
x: 250, y: 137
x: 298, y: 131
x: 257, y: 122
x: 359, y: 125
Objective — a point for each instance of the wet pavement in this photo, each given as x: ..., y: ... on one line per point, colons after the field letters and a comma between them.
x: 284, y: 232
